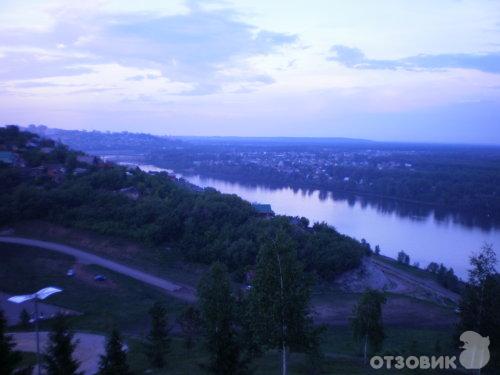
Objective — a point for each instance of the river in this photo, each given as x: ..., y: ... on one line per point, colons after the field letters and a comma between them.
x: 421, y: 232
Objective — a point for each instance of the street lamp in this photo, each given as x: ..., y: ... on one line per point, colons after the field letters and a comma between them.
x: 38, y: 296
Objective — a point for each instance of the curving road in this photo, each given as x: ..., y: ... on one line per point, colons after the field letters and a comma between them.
x: 177, y: 290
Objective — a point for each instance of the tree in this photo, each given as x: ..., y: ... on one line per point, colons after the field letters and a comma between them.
x: 219, y: 322
x: 59, y: 354
x: 24, y: 318
x: 403, y: 258
x: 9, y: 358
x: 279, y: 299
x: 480, y: 302
x: 158, y: 340
x: 189, y: 321
x: 367, y: 321
x: 114, y: 362
x: 433, y: 267
x: 377, y: 249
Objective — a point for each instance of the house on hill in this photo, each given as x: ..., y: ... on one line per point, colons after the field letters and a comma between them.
x: 86, y: 159
x: 7, y: 157
x: 131, y: 192
x: 263, y: 209
x: 11, y: 158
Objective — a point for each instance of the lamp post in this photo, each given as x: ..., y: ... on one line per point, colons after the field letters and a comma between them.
x: 40, y: 295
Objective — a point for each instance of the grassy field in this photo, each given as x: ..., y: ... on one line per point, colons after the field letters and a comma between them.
x: 120, y: 300
x: 159, y: 261
x: 124, y: 302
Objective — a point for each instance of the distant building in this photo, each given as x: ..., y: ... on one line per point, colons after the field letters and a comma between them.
x: 56, y: 172
x: 86, y: 159
x: 11, y: 158
x: 47, y: 150
x: 263, y: 209
x: 79, y: 171
x: 8, y: 157
x: 130, y: 192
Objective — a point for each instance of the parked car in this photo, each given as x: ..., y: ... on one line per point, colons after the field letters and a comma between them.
x: 100, y: 278
x: 71, y: 272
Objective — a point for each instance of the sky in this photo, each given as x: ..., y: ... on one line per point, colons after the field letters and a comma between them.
x: 396, y: 70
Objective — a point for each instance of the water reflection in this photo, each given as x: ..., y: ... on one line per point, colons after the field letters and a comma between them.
x: 427, y: 234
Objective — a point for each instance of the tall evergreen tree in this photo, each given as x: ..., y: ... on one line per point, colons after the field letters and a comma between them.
x: 114, y: 362
x: 367, y: 321
x: 189, y: 321
x: 9, y: 358
x: 59, y: 354
x: 480, y: 303
x: 279, y: 300
x: 158, y: 340
x: 217, y: 307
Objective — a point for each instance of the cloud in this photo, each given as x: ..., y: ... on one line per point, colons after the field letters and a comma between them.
x: 192, y: 46
x: 355, y: 58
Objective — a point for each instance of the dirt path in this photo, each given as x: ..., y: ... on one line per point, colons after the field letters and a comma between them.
x: 177, y: 290
x: 88, y: 350
x: 430, y: 287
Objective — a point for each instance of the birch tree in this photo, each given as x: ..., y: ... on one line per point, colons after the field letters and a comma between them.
x: 367, y: 321
x: 279, y: 300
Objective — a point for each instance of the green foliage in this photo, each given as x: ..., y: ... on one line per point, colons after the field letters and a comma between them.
x: 279, y: 298
x: 158, y: 340
x: 403, y: 258
x: 114, y: 362
x: 367, y: 320
x: 206, y: 226
x: 9, y: 358
x: 189, y: 321
x: 480, y: 303
x: 59, y: 353
x: 219, y: 322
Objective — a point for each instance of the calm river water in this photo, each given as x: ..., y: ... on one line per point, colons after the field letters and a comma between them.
x: 421, y: 232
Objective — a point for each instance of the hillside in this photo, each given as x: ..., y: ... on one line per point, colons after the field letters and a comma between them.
x: 47, y: 180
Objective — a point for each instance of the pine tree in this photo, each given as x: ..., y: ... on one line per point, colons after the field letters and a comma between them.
x: 367, y: 321
x: 158, y: 340
x: 9, y: 358
x: 114, y: 362
x: 189, y: 321
x: 59, y: 354
x: 217, y: 307
x: 279, y: 300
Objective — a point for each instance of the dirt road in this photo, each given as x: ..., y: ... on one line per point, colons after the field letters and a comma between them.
x: 177, y: 290
x: 429, y: 286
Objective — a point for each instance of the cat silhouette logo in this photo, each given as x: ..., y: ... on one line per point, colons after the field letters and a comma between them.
x: 476, y: 354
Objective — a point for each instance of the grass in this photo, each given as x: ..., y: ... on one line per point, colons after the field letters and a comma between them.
x: 124, y: 302
x: 160, y: 261
x: 120, y: 300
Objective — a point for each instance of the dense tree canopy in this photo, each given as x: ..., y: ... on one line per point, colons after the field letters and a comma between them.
x: 205, y: 225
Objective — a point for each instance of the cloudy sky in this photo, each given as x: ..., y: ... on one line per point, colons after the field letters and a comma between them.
x: 405, y: 70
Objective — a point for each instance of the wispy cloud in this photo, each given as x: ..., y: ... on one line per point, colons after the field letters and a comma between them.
x: 189, y: 47
x: 355, y: 58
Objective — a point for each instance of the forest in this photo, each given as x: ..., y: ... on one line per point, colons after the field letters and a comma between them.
x: 463, y: 179
x: 204, y: 226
